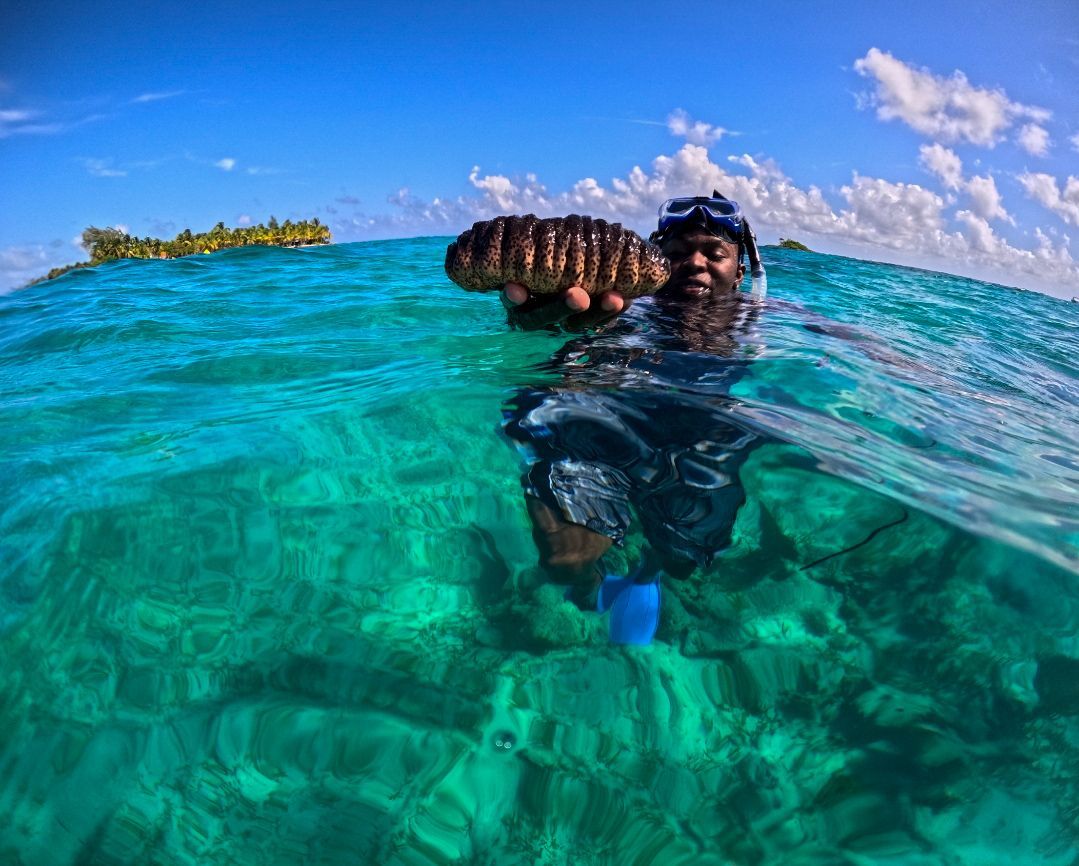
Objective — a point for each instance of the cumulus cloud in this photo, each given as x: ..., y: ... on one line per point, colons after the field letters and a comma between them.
x: 102, y: 168
x: 985, y: 199
x: 946, y: 108
x: 497, y: 187
x: 226, y: 164
x: 1033, y: 139
x: 1043, y: 188
x: 1049, y: 261
x: 978, y: 233
x: 899, y: 216
x: 632, y: 199
x: 694, y: 131
x: 902, y: 222
x: 1075, y: 141
x: 243, y: 220
x: 20, y: 264
x: 943, y: 163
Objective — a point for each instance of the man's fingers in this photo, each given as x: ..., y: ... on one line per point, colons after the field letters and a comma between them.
x: 573, y: 308
x: 609, y: 305
x: 513, y: 295
x: 576, y: 299
x: 542, y: 310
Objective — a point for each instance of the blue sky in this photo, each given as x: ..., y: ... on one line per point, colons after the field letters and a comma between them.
x: 944, y: 135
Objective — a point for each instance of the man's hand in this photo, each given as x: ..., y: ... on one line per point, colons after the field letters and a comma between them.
x: 573, y: 309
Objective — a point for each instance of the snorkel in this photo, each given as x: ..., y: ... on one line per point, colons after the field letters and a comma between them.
x: 758, y: 278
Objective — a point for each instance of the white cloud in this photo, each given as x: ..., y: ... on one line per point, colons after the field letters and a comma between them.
x: 243, y: 220
x: 1043, y: 189
x: 1075, y: 141
x: 102, y: 168
x: 694, y: 131
x: 226, y: 164
x: 15, y: 121
x: 978, y: 232
x: 985, y: 199
x: 261, y: 169
x: 20, y: 121
x: 947, y: 109
x: 500, y: 189
x: 1049, y: 261
x: 1033, y: 139
x: 901, y: 216
x: 157, y: 96
x: 20, y: 264
x: 774, y: 200
x: 943, y: 163
x: 901, y: 222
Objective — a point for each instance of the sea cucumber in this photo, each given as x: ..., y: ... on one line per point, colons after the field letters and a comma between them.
x: 550, y: 255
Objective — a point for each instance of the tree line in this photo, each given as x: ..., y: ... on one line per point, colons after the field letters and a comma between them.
x: 108, y: 244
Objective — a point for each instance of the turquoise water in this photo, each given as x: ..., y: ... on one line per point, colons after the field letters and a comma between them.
x: 267, y: 587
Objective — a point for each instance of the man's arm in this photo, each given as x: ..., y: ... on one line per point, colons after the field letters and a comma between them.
x: 573, y: 309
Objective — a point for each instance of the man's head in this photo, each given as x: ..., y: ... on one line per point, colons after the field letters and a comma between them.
x: 704, y: 237
x: 702, y: 265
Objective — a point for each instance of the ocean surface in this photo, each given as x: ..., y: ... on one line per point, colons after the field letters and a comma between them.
x: 268, y: 593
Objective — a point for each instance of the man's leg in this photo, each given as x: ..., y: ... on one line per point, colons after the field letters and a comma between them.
x: 568, y: 552
x: 688, y: 512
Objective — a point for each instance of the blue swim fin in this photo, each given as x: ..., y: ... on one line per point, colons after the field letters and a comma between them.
x: 635, y: 614
x: 610, y: 589
x: 634, y: 605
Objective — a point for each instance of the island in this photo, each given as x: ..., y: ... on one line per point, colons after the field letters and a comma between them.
x: 788, y: 244
x: 109, y: 244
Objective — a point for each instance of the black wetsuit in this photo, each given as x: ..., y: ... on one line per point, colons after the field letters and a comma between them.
x: 642, y: 421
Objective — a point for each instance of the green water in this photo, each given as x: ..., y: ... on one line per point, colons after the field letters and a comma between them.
x: 267, y: 583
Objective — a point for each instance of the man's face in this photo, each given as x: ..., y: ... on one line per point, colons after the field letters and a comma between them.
x: 701, y: 266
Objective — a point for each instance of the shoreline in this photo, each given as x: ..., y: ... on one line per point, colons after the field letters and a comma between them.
x: 110, y: 244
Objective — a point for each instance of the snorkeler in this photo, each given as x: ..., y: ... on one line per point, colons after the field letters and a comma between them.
x: 630, y: 429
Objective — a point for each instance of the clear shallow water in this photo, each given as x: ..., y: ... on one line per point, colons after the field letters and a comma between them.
x: 264, y: 572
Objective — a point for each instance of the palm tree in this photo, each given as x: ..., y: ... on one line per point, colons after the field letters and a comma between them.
x: 106, y: 244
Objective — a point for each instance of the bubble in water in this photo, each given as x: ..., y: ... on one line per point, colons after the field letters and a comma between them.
x: 504, y: 741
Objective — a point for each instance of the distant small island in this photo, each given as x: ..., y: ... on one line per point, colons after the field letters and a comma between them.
x: 106, y: 245
x: 788, y: 244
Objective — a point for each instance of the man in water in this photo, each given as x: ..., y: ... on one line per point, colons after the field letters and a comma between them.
x: 669, y: 453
